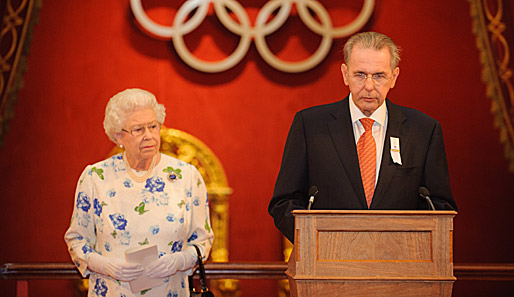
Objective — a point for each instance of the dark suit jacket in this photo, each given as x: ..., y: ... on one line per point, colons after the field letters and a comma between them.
x: 320, y: 150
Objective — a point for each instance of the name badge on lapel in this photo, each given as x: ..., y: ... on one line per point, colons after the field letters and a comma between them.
x: 395, y: 150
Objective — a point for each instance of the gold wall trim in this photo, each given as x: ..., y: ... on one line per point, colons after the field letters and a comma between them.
x: 190, y: 149
x: 494, y: 43
x: 18, y: 20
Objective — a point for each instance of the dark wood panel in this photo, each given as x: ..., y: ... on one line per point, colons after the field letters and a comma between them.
x: 243, y: 270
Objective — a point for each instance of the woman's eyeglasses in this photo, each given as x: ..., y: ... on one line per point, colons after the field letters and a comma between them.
x: 140, y: 129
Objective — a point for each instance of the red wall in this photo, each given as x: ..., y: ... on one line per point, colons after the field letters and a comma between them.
x: 83, y: 52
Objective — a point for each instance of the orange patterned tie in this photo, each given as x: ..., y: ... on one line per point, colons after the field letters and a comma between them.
x: 367, y: 151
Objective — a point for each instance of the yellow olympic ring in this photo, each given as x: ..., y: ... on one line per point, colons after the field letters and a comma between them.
x: 182, y: 26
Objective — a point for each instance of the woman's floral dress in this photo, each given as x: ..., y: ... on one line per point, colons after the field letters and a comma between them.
x: 113, y: 213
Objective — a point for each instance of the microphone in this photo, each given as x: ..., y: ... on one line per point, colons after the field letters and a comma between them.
x: 424, y: 193
x: 313, y: 192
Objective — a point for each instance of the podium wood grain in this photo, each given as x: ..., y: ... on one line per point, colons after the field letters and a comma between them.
x: 372, y: 253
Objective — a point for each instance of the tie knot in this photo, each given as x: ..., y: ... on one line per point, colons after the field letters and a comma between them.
x: 367, y: 123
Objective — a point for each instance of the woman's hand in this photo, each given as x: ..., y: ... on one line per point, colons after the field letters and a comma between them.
x: 167, y: 265
x: 114, y: 267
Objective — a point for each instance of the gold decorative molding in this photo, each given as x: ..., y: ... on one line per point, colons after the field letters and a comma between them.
x: 190, y: 149
x: 495, y: 45
x: 283, y: 285
x: 15, y: 35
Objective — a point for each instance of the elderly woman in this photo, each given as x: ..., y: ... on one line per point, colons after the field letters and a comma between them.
x: 135, y: 199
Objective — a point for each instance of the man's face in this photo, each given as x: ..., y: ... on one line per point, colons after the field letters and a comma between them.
x: 369, y: 93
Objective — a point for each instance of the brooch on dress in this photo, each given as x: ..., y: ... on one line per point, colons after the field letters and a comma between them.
x: 173, y: 174
x: 172, y: 177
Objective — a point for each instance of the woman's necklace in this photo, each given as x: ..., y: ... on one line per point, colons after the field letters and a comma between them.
x: 137, y: 178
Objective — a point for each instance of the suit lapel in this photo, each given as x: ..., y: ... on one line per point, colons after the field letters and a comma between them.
x: 341, y: 131
x: 395, y: 128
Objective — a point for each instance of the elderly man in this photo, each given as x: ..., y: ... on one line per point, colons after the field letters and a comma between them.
x: 363, y: 152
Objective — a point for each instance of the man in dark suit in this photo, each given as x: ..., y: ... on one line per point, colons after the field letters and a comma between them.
x: 324, y: 146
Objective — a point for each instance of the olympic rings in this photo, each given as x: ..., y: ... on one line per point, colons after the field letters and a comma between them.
x: 263, y: 27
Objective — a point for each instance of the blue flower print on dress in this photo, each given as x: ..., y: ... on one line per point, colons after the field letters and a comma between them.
x: 118, y: 220
x: 172, y: 294
x: 115, y: 163
x: 154, y: 184
x: 107, y: 247
x: 170, y: 217
x: 155, y: 199
x: 192, y: 237
x: 196, y: 201
x: 163, y: 199
x: 111, y: 193
x: 83, y: 220
x: 98, y: 207
x: 176, y: 246
x: 125, y: 238
x: 83, y: 202
x: 87, y: 248
x: 181, y: 220
x: 100, y: 288
x: 154, y: 229
x: 188, y: 192
x: 147, y: 197
x: 128, y: 183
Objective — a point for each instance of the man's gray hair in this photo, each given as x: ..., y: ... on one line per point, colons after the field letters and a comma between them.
x: 126, y: 102
x: 373, y: 40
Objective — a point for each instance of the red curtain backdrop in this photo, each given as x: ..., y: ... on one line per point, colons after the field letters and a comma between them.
x: 83, y: 52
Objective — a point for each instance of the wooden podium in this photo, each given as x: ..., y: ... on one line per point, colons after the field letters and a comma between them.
x: 372, y: 253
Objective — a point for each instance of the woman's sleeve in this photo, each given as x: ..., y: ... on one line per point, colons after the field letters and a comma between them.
x: 80, y: 236
x: 200, y: 231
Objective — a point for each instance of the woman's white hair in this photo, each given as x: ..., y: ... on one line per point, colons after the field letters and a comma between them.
x: 126, y: 102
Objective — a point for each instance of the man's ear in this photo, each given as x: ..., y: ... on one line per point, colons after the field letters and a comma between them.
x: 344, y: 72
x: 396, y: 73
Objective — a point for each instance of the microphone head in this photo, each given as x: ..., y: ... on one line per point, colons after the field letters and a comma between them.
x: 423, y: 192
x: 313, y: 191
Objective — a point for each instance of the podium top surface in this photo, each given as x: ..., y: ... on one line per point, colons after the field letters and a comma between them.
x: 301, y: 212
